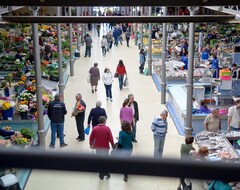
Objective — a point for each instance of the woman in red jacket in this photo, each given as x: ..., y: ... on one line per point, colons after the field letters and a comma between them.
x: 121, y: 70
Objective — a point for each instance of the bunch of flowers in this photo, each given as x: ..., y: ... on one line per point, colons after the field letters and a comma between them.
x: 22, y: 107
x: 6, y: 104
x: 25, y: 95
x: 19, y: 87
x: 31, y: 89
x: 23, y: 78
x: 46, y: 97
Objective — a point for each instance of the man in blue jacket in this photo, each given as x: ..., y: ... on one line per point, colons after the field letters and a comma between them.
x: 95, y: 113
x: 56, y: 113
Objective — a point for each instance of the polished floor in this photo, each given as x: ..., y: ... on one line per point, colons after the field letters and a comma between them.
x: 148, y: 98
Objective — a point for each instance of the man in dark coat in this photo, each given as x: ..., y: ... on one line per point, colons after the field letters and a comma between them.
x: 56, y: 113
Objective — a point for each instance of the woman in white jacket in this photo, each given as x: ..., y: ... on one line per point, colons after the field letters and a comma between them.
x: 107, y: 78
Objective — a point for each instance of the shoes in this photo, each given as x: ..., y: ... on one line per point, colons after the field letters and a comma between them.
x: 111, y: 99
x: 179, y: 188
x: 135, y: 140
x: 107, y: 98
x: 51, y: 146
x: 80, y: 140
x: 77, y: 138
x: 125, y: 179
x: 92, y: 91
x: 108, y: 176
x: 63, y: 145
x: 85, y: 56
x: 101, y: 176
x: 95, y: 89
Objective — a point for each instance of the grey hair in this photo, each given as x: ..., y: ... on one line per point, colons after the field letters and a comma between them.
x: 98, y: 103
x: 164, y: 112
x: 79, y: 95
x: 214, y: 110
x: 129, y: 95
x: 102, y: 120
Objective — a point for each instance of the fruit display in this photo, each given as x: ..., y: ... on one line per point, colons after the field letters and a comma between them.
x: 22, y: 141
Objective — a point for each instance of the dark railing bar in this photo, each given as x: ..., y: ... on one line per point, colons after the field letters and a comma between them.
x: 118, y: 19
x: 135, y: 165
x: 119, y: 3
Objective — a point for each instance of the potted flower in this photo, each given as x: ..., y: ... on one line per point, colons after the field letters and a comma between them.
x: 7, y: 109
x: 23, y: 108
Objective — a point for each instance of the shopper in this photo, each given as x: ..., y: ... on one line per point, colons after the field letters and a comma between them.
x: 115, y: 36
x: 94, y: 76
x: 100, y: 138
x: 235, y: 71
x: 88, y: 42
x: 159, y: 129
x: 104, y: 45
x: 126, y: 113
x: 121, y: 71
x: 184, y: 152
x: 234, y: 119
x: 107, y: 78
x: 134, y: 105
x: 95, y: 113
x: 125, y: 140
x: 56, y: 113
x: 142, y: 60
x: 212, y: 122
x: 203, y: 107
x: 127, y: 35
x: 79, y: 114
x: 215, y: 66
x: 98, y: 29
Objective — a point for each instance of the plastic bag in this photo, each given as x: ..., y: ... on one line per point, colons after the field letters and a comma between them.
x: 125, y: 82
x: 87, y: 131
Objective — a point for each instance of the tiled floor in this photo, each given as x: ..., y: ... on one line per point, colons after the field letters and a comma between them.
x: 148, y: 99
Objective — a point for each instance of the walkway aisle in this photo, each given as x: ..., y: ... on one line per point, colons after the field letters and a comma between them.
x: 148, y: 99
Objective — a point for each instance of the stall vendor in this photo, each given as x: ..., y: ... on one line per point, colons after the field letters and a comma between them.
x: 235, y: 71
x: 184, y: 59
x: 215, y: 66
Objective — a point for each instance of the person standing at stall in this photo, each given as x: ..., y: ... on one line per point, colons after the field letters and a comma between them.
x: 215, y: 66
x: 79, y: 114
x: 56, y: 113
x: 159, y: 129
x: 142, y: 60
x: 212, y: 122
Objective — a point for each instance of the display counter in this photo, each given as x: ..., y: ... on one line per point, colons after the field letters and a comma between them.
x: 220, y: 149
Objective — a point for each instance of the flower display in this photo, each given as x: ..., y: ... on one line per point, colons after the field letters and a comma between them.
x: 31, y: 89
x: 6, y: 104
x: 25, y: 95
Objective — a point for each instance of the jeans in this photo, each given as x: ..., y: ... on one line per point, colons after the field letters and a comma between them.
x: 125, y: 153
x: 158, y: 145
x: 104, y: 50
x: 134, y: 129
x: 88, y: 51
x: 108, y: 90
x: 57, y: 128
x: 141, y: 67
x: 116, y: 41
x: 103, y: 152
x: 235, y: 144
x: 80, y: 126
x: 120, y: 80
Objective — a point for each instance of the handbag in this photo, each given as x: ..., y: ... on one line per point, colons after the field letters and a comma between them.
x: 116, y: 75
x: 125, y: 82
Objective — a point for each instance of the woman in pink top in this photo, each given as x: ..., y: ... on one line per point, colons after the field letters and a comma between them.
x: 126, y: 113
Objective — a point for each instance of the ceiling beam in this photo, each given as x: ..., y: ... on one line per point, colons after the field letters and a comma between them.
x: 119, y: 3
x: 118, y: 19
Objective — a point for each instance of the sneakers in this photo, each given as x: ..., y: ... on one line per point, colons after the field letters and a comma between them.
x: 63, y: 145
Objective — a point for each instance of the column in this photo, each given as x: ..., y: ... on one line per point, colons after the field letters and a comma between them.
x: 71, y: 44
x: 150, y: 46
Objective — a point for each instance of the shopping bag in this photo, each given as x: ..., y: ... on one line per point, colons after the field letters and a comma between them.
x: 88, y: 78
x: 125, y: 82
x: 87, y: 131
x: 116, y: 75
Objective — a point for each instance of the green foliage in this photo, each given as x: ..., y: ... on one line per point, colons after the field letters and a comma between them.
x: 27, y: 133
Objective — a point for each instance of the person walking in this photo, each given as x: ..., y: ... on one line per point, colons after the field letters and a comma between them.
x: 215, y: 66
x: 100, y: 138
x: 127, y: 36
x: 126, y: 113
x: 121, y: 71
x: 125, y: 139
x: 107, y: 78
x: 159, y: 129
x: 142, y: 60
x: 104, y: 45
x: 212, y: 121
x: 79, y: 114
x: 94, y: 76
x: 56, y: 113
x: 95, y: 113
x: 98, y: 29
x: 109, y: 40
x: 134, y: 105
x: 88, y: 42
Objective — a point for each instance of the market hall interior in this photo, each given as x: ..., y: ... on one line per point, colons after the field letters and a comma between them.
x: 149, y: 102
